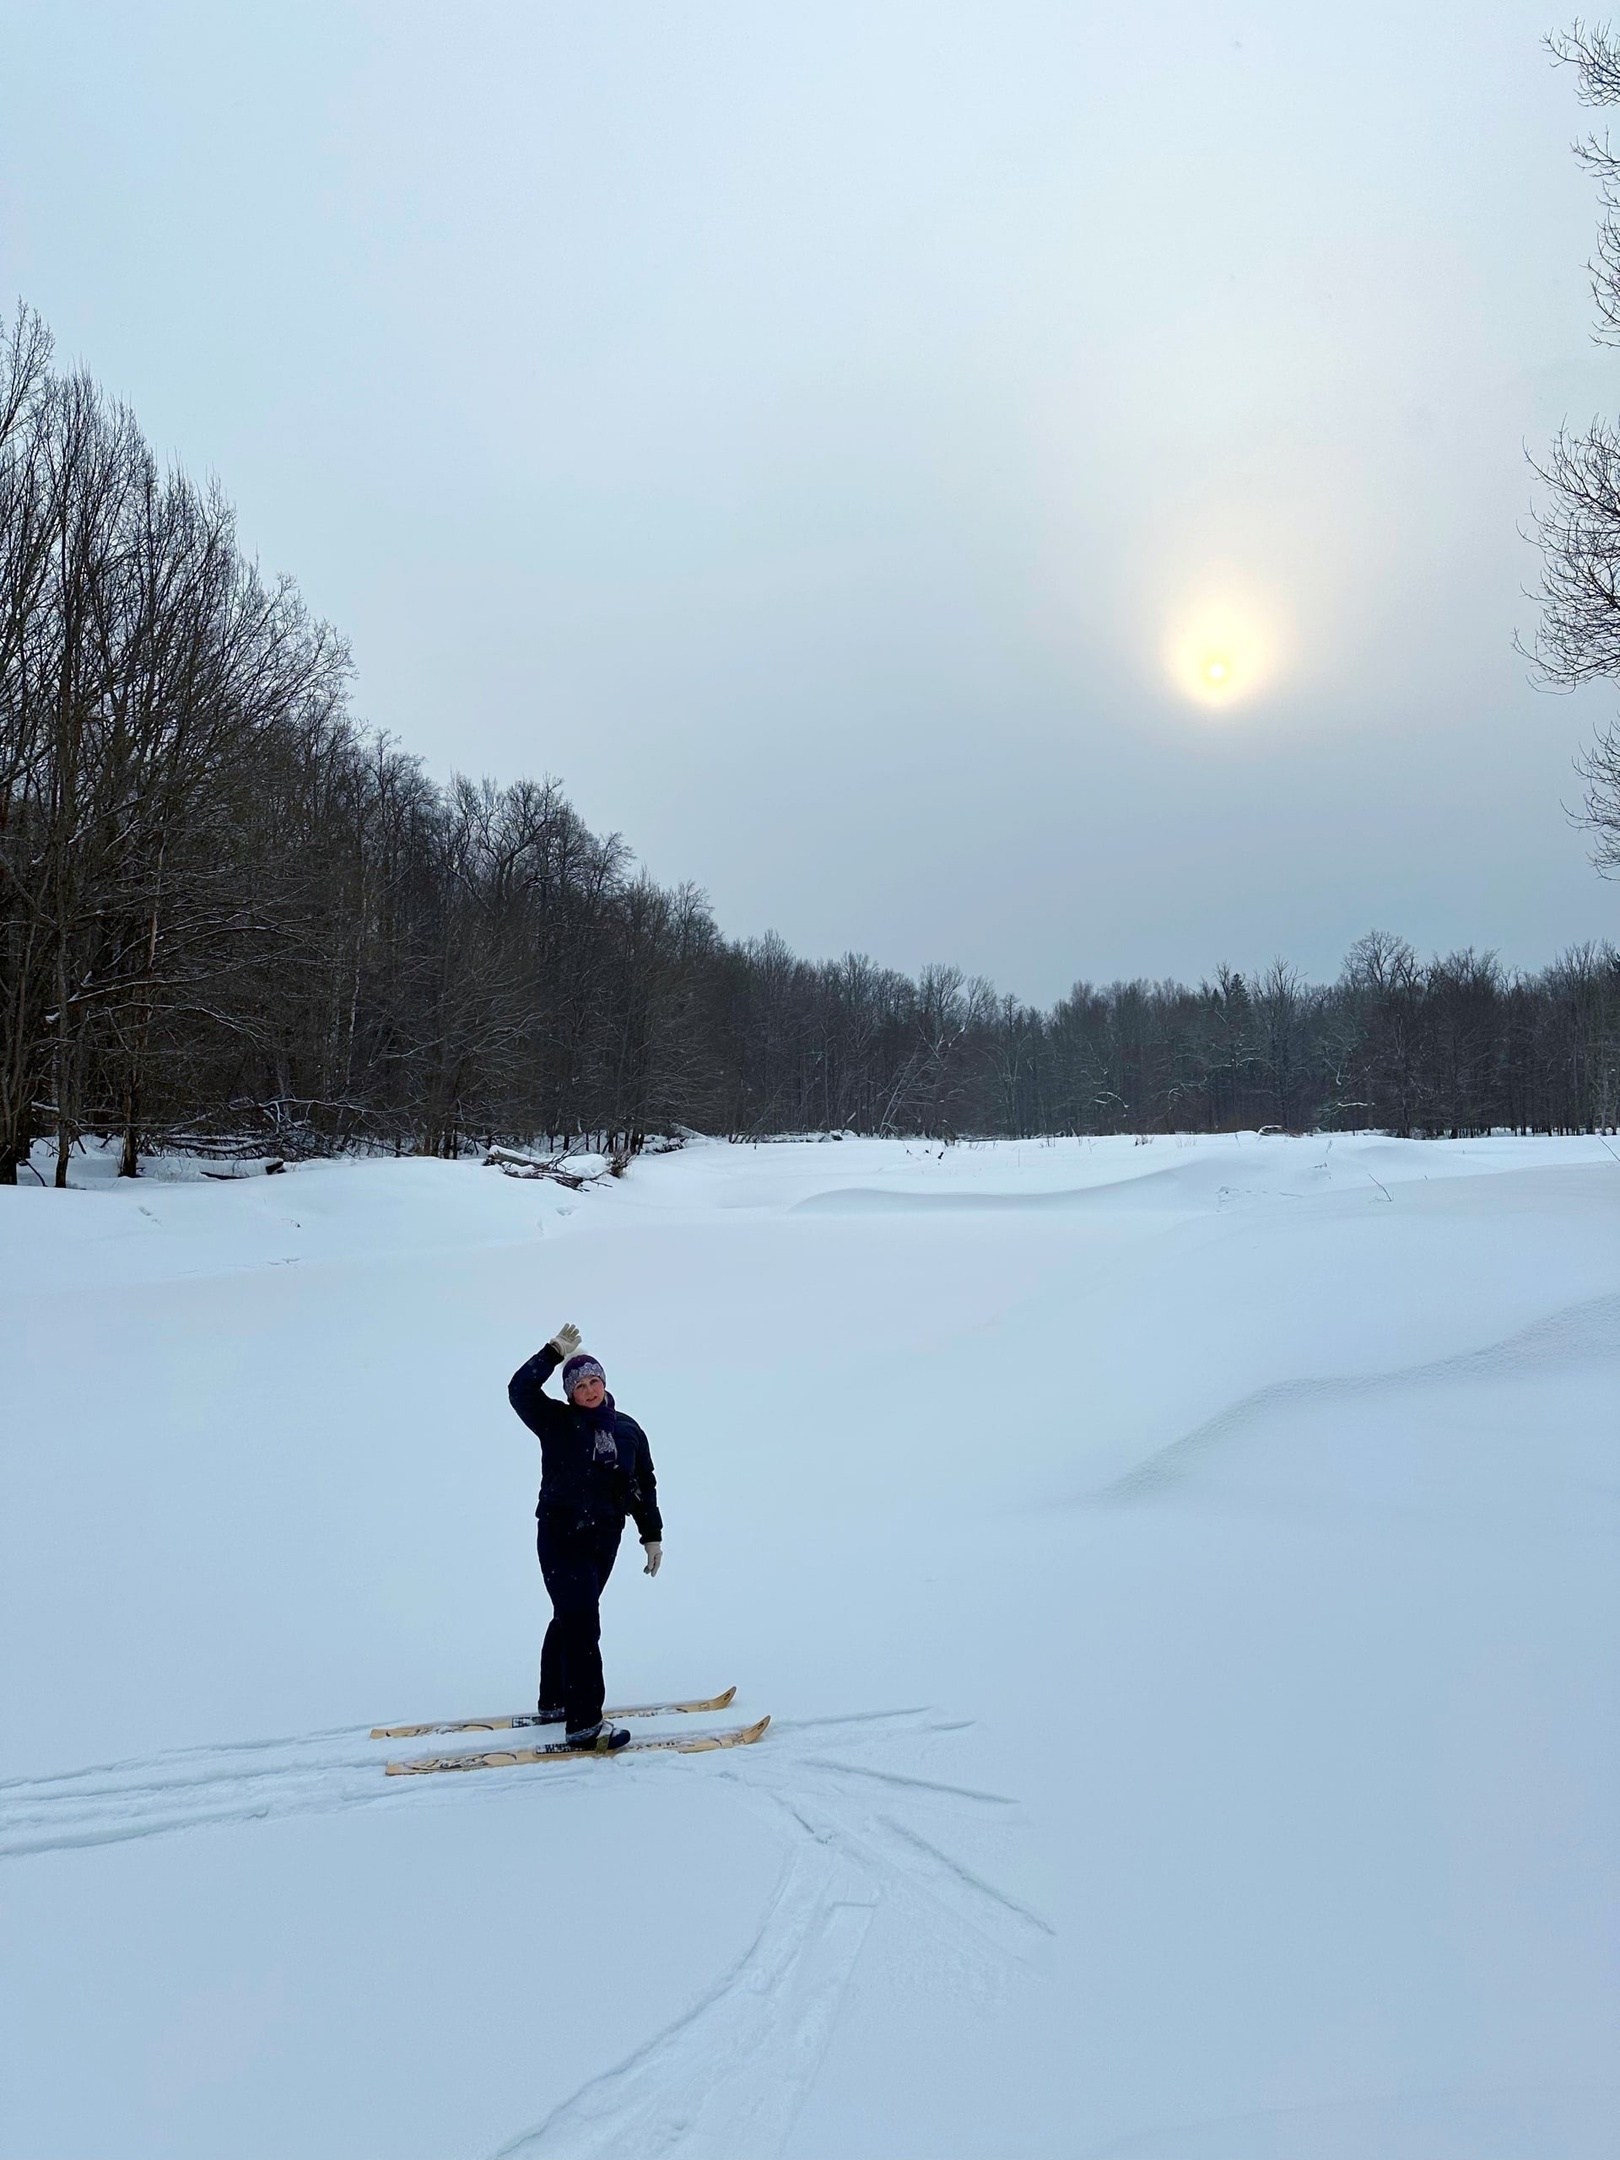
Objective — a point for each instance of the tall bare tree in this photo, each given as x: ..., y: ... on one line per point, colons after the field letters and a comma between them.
x: 1579, y: 520
x: 231, y: 917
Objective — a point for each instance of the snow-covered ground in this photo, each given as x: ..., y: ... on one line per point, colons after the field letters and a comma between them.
x: 1183, y: 1578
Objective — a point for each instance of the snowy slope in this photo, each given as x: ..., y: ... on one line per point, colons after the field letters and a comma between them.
x: 1183, y: 1577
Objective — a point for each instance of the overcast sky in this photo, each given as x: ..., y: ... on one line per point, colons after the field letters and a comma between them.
x: 827, y: 437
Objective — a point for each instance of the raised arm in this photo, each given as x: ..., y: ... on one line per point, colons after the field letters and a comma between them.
x: 525, y: 1391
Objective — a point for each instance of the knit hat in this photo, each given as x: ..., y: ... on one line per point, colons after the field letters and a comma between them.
x: 581, y: 1366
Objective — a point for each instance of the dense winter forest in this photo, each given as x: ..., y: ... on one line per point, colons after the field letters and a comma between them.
x: 232, y: 917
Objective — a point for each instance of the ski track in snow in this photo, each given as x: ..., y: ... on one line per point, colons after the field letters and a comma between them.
x: 727, y: 2079
x: 191, y: 1788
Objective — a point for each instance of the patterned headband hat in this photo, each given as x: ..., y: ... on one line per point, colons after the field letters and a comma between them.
x: 581, y: 1367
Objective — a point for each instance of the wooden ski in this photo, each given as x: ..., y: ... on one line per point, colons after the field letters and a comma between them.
x: 522, y: 1718
x: 560, y: 1751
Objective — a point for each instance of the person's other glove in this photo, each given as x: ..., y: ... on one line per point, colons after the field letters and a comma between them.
x: 566, y: 1340
x: 653, y: 1548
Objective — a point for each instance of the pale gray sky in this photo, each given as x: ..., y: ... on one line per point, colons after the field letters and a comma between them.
x: 801, y: 431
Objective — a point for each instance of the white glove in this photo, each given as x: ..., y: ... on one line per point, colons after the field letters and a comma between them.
x: 653, y: 1548
x: 566, y: 1340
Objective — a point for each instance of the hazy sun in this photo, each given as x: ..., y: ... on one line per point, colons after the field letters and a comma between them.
x: 1221, y: 649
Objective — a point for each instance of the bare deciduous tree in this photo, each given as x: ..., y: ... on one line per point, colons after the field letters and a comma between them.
x: 1579, y: 521
x: 230, y: 917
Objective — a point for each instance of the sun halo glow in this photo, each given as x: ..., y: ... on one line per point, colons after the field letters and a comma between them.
x: 1219, y: 652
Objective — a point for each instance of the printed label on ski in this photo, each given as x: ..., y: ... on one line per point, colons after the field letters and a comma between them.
x: 560, y: 1751
x: 521, y: 1718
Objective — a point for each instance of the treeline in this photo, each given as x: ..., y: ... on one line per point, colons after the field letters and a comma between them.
x: 230, y: 916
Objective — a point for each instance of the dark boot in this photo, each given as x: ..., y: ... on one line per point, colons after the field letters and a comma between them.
x: 601, y: 1738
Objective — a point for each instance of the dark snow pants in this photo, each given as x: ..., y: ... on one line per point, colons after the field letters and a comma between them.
x: 576, y: 1559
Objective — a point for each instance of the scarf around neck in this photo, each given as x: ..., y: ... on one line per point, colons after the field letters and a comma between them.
x: 604, y: 1442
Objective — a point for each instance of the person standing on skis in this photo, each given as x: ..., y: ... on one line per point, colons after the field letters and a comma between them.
x: 595, y: 1469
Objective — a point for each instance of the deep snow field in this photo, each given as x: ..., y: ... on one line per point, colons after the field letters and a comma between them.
x: 1183, y: 1577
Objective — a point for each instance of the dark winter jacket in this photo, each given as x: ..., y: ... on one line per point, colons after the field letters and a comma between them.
x: 595, y: 1467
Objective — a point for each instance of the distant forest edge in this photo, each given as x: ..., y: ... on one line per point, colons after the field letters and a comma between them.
x: 230, y: 916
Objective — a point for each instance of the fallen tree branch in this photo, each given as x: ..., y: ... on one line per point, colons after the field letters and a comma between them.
x: 512, y: 1164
